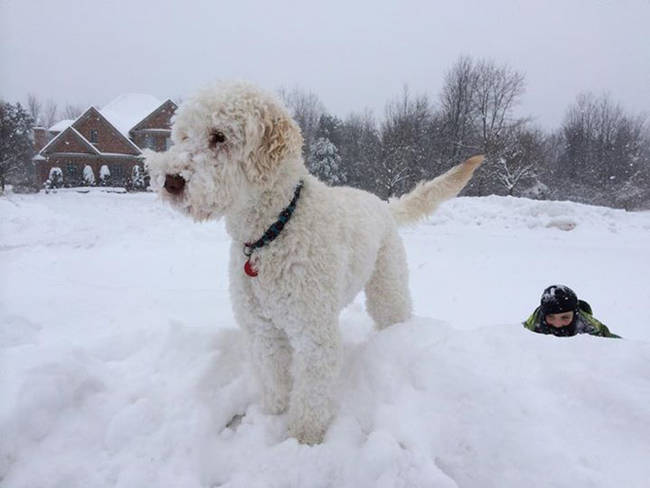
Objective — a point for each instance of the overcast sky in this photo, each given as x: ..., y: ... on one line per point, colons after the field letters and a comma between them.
x: 353, y: 55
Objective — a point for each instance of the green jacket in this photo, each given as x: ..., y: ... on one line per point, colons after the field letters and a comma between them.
x: 584, y: 323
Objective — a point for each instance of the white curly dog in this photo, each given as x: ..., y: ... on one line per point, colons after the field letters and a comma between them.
x: 301, y: 250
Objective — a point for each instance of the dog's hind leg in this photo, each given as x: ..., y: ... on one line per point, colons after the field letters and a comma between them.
x: 388, y: 300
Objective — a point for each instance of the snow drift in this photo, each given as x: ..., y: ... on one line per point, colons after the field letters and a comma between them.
x: 120, y: 364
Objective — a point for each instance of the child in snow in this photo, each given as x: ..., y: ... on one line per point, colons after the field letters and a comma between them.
x: 562, y: 314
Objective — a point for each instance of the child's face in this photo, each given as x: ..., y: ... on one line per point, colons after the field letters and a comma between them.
x: 559, y: 319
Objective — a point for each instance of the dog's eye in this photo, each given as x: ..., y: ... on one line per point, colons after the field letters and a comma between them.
x: 216, y: 137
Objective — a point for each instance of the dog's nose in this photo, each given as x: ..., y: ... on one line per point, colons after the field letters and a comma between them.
x: 174, y: 184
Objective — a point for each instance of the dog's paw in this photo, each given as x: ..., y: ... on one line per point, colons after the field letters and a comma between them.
x: 307, y: 434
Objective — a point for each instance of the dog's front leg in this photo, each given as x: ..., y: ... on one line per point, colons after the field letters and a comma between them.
x: 271, y: 360
x: 316, y: 365
x: 269, y: 349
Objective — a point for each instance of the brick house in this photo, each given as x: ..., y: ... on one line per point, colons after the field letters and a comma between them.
x: 112, y: 137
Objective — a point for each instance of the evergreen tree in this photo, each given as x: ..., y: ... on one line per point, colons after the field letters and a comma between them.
x: 16, y: 147
x: 324, y: 162
x: 330, y: 127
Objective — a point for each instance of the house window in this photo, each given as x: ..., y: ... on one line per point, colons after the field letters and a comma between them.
x: 150, y: 141
x: 93, y: 135
x: 71, y: 171
x: 117, y: 171
x: 168, y: 142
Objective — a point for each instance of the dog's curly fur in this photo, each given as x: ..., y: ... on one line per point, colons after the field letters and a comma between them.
x: 238, y: 153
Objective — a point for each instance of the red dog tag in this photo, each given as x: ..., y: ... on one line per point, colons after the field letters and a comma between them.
x: 249, y: 270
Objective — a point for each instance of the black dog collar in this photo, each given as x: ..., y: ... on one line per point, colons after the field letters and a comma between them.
x: 272, y: 232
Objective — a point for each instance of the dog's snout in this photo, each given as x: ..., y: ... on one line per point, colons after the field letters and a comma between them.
x: 174, y: 184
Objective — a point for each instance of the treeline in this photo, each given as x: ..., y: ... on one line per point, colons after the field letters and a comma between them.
x: 599, y: 155
x: 47, y: 113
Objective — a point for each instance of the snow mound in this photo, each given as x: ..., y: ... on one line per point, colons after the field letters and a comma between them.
x: 422, y: 405
x: 120, y: 363
x: 494, y: 212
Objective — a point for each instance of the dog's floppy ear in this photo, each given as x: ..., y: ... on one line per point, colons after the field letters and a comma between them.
x: 279, y: 138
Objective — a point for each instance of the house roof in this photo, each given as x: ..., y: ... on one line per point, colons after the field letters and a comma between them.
x: 168, y: 102
x: 128, y: 110
x: 125, y: 136
x: 123, y: 113
x: 75, y: 134
x: 61, y: 125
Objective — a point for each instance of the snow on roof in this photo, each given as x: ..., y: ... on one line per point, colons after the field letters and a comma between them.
x: 127, y: 110
x: 61, y: 125
x: 110, y: 122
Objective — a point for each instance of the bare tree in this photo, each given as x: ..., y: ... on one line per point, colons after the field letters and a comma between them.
x: 498, y: 90
x: 477, y: 115
x: 306, y: 109
x: 522, y: 160
x: 457, y: 114
x: 34, y: 107
x: 72, y: 111
x: 406, y: 142
x: 605, y: 149
x: 391, y: 179
x: 360, y: 150
x: 50, y: 114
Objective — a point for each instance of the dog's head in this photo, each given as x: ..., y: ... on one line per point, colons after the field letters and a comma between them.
x: 230, y: 141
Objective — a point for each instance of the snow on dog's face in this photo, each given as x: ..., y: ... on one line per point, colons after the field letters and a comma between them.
x: 229, y: 142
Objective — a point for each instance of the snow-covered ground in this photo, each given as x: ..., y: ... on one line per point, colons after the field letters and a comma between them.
x: 121, y: 365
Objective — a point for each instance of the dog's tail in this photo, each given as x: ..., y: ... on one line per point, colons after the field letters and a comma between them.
x: 427, y: 195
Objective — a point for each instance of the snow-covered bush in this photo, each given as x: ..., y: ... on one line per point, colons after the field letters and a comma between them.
x: 55, y: 179
x: 88, y: 176
x: 137, y: 178
x: 104, y: 176
x: 539, y: 191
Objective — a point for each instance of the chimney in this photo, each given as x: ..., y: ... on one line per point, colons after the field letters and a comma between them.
x: 41, y: 138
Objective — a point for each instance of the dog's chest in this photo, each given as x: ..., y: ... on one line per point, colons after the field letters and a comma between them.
x: 276, y: 283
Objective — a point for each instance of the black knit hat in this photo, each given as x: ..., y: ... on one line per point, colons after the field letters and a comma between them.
x: 558, y: 299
